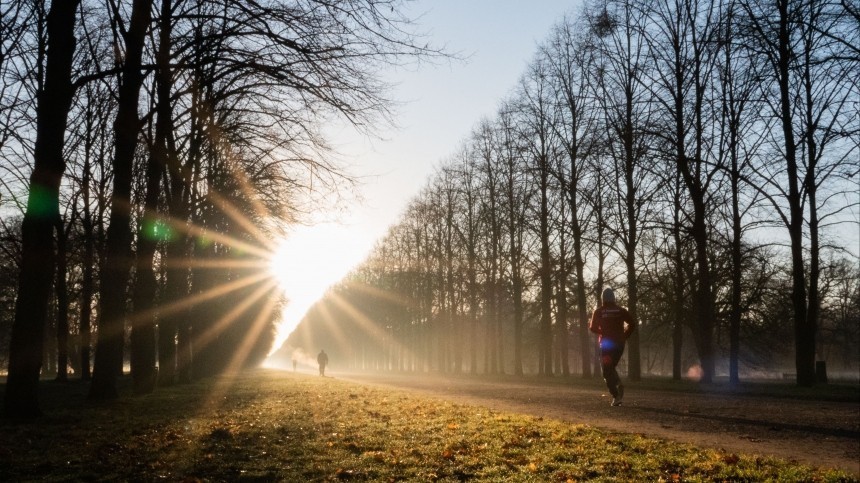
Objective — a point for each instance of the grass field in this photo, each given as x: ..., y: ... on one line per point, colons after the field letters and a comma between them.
x: 268, y: 425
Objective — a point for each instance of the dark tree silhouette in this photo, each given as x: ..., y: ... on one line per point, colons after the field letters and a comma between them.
x: 117, y: 264
x: 38, y: 256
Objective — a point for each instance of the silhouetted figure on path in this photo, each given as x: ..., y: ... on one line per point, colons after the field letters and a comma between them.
x: 613, y: 325
x: 322, y: 359
x: 295, y: 363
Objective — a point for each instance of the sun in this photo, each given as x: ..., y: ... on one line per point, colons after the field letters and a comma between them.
x: 308, y: 262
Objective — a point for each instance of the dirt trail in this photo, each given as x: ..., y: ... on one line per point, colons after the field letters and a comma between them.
x: 819, y: 433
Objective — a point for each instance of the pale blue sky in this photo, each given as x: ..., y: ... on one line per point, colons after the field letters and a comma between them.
x: 443, y: 103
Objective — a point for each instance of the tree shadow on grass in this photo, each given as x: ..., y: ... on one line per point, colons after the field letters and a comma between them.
x: 770, y: 425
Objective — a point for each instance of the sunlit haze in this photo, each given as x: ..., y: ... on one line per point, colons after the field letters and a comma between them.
x: 307, y: 263
x: 439, y: 105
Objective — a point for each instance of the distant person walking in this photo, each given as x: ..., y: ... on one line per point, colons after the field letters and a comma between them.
x: 613, y: 325
x: 322, y: 359
x: 295, y: 363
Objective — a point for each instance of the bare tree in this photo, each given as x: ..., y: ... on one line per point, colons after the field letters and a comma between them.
x: 619, y: 70
x: 681, y: 49
x: 151, y: 228
x: 116, y: 269
x: 468, y: 232
x: 486, y: 152
x: 38, y: 256
x: 569, y: 57
x: 536, y: 111
x: 93, y: 176
x: 61, y: 288
x: 808, y: 86
x: 515, y: 200
x: 741, y: 128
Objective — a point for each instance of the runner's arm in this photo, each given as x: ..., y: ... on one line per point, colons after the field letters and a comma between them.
x: 594, y: 326
x: 631, y: 325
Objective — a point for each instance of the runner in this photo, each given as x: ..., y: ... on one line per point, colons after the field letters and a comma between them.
x: 613, y: 325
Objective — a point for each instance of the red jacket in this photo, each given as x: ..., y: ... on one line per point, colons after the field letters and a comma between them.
x: 608, y: 322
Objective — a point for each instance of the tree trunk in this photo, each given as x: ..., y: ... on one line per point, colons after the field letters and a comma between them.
x: 634, y: 367
x: 176, y: 288
x: 37, y: 257
x: 545, y: 367
x: 737, y: 269
x: 602, y: 248
x: 562, y: 327
x: 142, y: 338
x: 804, y: 345
x: 152, y: 230
x: 735, y: 308
x: 732, y: 109
x: 629, y: 162
x: 62, y: 305
x: 703, y: 297
x: 88, y: 259
x: 810, y: 326
x: 473, y: 312
x: 518, y: 326
x: 115, y: 271
x: 678, y: 284
x: 184, y: 351
x: 581, y: 299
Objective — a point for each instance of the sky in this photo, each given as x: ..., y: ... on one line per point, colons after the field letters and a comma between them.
x: 437, y: 107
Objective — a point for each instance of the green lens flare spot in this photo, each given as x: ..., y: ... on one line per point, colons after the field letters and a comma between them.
x: 158, y: 230
x: 42, y: 203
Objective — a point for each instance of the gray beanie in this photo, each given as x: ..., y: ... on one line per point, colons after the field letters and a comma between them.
x: 608, y: 295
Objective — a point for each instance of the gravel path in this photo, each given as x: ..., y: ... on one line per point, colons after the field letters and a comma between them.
x: 819, y: 433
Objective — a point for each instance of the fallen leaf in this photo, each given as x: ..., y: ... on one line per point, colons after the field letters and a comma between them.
x: 731, y: 459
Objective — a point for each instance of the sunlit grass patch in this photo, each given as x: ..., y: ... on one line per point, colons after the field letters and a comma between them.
x: 274, y: 426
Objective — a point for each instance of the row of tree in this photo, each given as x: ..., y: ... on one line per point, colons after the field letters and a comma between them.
x: 151, y: 150
x: 700, y: 157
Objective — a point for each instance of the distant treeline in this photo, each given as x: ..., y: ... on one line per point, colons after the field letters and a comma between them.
x: 701, y: 158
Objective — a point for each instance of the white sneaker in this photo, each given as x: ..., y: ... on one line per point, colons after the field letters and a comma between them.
x: 616, y: 401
